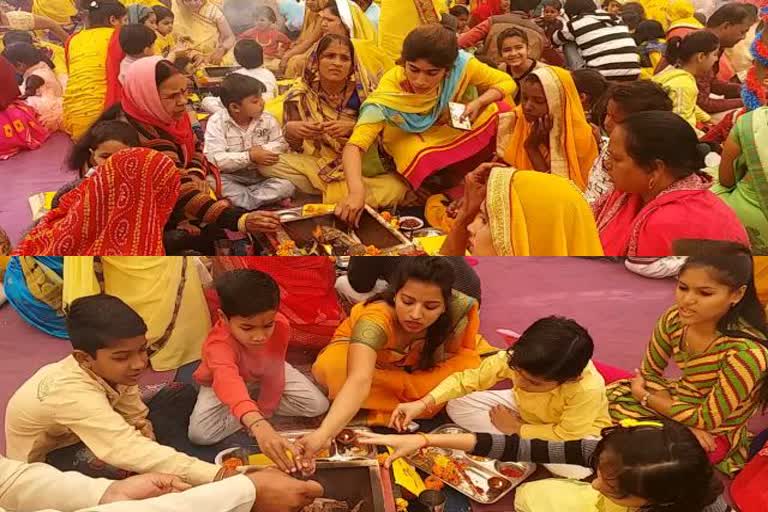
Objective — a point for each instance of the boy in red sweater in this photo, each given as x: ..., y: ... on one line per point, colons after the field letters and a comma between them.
x: 244, y: 357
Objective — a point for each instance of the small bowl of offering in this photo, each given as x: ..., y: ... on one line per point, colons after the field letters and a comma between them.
x: 346, y: 437
x: 510, y: 470
x: 497, y: 485
x: 409, y: 223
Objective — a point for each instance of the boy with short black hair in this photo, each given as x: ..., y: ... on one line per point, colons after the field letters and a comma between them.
x: 241, y: 139
x: 92, y: 396
x: 244, y: 357
x: 557, y: 392
x: 137, y: 41
x: 591, y: 86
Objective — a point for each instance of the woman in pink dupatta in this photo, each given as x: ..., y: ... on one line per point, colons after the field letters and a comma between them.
x: 20, y: 128
x: 660, y: 196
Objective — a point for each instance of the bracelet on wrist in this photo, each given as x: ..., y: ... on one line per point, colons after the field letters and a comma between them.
x: 644, y: 400
x: 254, y: 423
x: 426, y: 439
x: 241, y: 223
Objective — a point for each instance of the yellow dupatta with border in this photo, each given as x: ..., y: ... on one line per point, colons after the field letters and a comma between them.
x: 150, y: 285
x: 572, y: 145
x: 537, y: 214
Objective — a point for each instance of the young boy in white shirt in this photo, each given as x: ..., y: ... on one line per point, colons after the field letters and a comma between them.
x: 243, y: 138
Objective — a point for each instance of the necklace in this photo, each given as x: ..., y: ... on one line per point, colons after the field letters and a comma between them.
x: 686, y: 348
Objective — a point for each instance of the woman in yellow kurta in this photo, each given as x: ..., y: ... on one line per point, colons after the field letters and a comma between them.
x: 93, y: 63
x: 396, y: 347
x: 522, y: 213
x: 410, y: 111
x: 205, y: 25
x: 165, y: 291
x: 319, y: 113
x: 60, y: 11
x: 399, y: 17
x: 548, y: 131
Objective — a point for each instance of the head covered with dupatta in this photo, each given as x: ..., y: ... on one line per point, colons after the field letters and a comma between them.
x: 121, y: 210
x: 537, y: 214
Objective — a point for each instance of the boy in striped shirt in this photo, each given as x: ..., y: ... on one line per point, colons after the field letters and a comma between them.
x: 603, y: 41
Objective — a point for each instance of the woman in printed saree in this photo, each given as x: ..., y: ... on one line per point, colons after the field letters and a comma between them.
x: 165, y: 291
x: 120, y: 210
x: 205, y: 25
x: 548, y: 131
x: 716, y: 335
x: 310, y: 33
x: 396, y: 346
x: 155, y: 104
x: 20, y: 127
x: 506, y: 212
x: 660, y: 195
x: 332, y: 16
x: 93, y: 61
x: 33, y: 286
x: 319, y: 113
x: 410, y: 111
x: 743, y: 178
x: 399, y: 17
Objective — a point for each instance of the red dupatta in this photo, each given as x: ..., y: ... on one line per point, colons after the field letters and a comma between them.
x: 121, y: 210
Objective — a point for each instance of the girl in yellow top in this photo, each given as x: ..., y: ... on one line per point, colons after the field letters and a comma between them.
x: 410, y: 111
x: 166, y: 40
x: 396, y: 347
x: 548, y: 131
x: 521, y: 213
x: 691, y: 57
x: 93, y: 63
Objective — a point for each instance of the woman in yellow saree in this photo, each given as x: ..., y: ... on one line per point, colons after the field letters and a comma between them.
x: 165, y: 291
x: 60, y: 11
x: 548, y: 131
x: 507, y: 212
x: 409, y: 110
x: 358, y: 27
x: 399, y: 17
x: 396, y: 347
x: 93, y: 63
x: 319, y: 113
x: 203, y: 22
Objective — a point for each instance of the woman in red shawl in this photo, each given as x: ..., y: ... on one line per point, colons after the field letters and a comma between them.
x: 154, y: 101
x: 19, y: 126
x: 307, y: 294
x: 119, y: 211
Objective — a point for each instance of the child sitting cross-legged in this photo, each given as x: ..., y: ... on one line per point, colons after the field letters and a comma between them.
x: 92, y: 397
x: 557, y: 394
x: 243, y: 138
x: 244, y: 357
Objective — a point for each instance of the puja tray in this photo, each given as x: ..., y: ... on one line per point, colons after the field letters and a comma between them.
x: 479, y: 470
x: 336, y: 452
x: 373, y: 230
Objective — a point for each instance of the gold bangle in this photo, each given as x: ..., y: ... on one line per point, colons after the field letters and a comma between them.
x: 426, y: 439
x: 241, y: 223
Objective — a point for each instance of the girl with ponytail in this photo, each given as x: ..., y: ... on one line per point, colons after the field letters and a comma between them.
x: 717, y: 336
x: 691, y: 57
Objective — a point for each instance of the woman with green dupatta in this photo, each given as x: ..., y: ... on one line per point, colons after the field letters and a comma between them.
x: 744, y: 176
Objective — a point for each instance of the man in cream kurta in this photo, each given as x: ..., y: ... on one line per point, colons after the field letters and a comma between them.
x: 38, y: 487
x: 64, y: 403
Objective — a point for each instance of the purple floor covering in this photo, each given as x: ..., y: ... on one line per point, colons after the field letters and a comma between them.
x: 618, y: 308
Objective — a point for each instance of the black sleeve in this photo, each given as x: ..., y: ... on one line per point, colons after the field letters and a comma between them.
x: 363, y: 272
x: 515, y: 449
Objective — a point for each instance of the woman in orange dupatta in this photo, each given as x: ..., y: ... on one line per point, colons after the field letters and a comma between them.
x: 396, y: 347
x: 93, y: 63
x: 548, y: 131
x: 119, y: 211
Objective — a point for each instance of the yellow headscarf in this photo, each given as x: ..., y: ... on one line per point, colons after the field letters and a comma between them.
x: 538, y: 214
x: 572, y: 145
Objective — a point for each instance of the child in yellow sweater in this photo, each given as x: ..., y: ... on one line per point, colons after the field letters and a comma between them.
x: 557, y: 393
